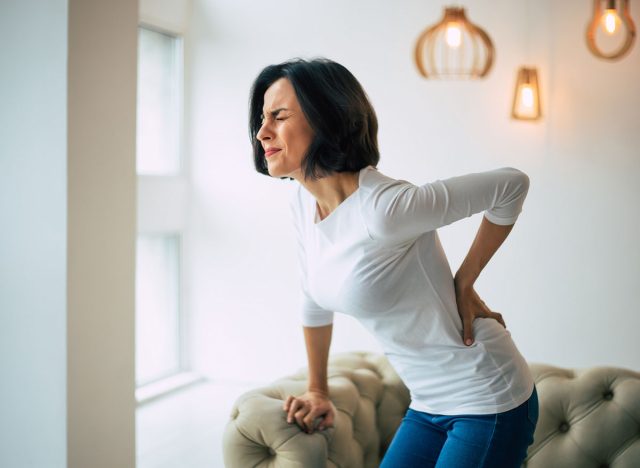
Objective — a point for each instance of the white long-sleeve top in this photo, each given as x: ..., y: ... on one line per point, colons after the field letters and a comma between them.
x: 378, y: 257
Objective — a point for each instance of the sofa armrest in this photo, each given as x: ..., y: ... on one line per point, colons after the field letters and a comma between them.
x: 259, y: 435
x: 360, y: 385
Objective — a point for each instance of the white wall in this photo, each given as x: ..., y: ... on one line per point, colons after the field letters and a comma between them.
x: 587, y: 263
x: 564, y: 279
x: 33, y: 233
x: 67, y: 205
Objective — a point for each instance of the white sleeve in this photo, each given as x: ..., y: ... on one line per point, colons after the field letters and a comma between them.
x: 403, y: 211
x: 312, y: 314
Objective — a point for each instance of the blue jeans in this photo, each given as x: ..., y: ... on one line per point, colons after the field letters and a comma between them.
x: 464, y: 441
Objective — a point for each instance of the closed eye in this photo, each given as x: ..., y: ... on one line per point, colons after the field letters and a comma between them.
x: 274, y: 115
x: 262, y: 120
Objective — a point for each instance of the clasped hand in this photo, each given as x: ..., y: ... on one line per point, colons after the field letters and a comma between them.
x: 470, y: 307
x: 306, y: 408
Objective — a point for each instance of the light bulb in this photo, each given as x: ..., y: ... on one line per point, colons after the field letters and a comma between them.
x: 454, y: 35
x: 454, y: 48
x: 526, y: 96
x: 611, y: 31
x: 610, y: 21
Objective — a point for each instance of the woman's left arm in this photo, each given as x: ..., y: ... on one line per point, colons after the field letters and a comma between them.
x: 490, y: 236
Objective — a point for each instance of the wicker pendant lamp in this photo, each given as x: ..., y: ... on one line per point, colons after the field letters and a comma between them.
x: 454, y: 48
x: 611, y: 32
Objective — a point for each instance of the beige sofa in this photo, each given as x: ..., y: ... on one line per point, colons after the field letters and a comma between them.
x: 588, y: 418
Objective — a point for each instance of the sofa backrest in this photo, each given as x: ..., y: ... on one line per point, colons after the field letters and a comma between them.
x: 588, y: 417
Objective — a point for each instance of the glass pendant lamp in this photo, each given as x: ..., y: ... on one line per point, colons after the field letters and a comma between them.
x: 526, y: 100
x: 454, y: 48
x: 611, y: 32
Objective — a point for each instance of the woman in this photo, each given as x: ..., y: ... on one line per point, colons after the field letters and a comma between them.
x: 368, y: 247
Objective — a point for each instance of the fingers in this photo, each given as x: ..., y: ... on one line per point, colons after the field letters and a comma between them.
x: 498, y: 317
x: 294, y: 408
x: 299, y: 410
x: 299, y: 416
x: 305, y: 414
x: 287, y: 402
x: 327, y: 421
x: 486, y: 312
x: 327, y: 415
x: 470, y: 307
x: 467, y: 330
x: 309, y: 419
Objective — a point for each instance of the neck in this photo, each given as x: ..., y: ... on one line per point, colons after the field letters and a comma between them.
x: 331, y: 190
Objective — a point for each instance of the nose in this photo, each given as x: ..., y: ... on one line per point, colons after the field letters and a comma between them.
x: 264, y: 133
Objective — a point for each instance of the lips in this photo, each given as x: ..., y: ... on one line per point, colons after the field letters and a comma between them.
x: 271, y: 151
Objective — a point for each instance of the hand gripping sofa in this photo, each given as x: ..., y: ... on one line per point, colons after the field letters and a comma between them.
x: 588, y: 418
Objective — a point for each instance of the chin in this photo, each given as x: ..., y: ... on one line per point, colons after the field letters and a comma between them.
x: 276, y: 171
x: 273, y: 170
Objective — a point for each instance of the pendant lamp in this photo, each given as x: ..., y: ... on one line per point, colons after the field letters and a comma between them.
x: 611, y: 33
x: 526, y: 99
x: 454, y: 48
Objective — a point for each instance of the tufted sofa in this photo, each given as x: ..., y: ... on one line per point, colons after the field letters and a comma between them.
x: 588, y: 418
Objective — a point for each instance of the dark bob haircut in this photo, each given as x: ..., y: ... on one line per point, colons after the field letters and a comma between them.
x: 338, y: 110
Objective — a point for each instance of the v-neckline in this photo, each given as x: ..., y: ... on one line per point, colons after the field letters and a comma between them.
x: 316, y: 217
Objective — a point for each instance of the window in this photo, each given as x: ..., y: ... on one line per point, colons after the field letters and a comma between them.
x: 157, y: 307
x: 162, y: 363
x: 159, y: 104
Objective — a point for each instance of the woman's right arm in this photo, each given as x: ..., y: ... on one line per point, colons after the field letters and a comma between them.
x: 318, y: 341
x: 317, y: 323
x: 314, y: 403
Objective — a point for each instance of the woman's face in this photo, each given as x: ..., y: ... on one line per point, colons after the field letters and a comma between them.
x: 285, y: 133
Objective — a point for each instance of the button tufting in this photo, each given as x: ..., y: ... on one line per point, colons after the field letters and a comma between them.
x: 271, y: 452
x: 564, y: 427
x: 608, y: 395
x: 604, y: 465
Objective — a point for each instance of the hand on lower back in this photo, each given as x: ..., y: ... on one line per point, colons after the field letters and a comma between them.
x: 470, y: 307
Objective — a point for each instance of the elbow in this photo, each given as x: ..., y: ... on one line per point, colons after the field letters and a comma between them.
x: 520, y: 178
x: 524, y: 181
